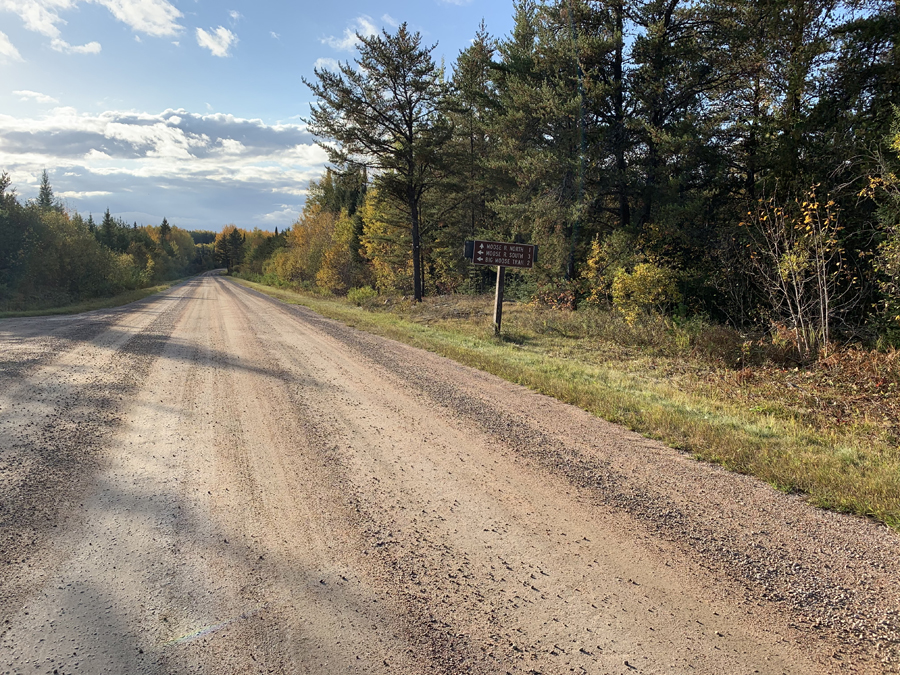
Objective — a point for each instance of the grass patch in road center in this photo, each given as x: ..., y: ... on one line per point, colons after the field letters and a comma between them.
x: 756, y: 425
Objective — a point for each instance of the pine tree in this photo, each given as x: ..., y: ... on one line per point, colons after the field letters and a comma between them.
x: 45, y: 194
x: 385, y: 112
x: 108, y: 230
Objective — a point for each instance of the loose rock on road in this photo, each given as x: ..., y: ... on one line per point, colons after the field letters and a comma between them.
x: 210, y: 481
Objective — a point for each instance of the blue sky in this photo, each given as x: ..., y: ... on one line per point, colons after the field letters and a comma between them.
x: 187, y: 109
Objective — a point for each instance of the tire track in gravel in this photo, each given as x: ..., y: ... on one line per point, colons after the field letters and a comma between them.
x: 494, y: 610
x: 834, y: 576
x: 27, y: 353
x: 263, y: 490
x: 438, y: 652
x: 47, y: 464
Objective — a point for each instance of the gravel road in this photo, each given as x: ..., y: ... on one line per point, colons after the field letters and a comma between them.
x: 210, y: 481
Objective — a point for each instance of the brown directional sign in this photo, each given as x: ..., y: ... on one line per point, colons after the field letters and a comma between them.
x: 503, y: 254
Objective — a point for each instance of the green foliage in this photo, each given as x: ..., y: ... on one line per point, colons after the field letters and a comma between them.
x: 362, y: 296
x: 384, y: 112
x: 649, y: 288
x: 884, y: 189
x: 50, y: 257
x: 45, y: 193
x: 229, y: 248
x: 609, y: 257
x: 612, y: 135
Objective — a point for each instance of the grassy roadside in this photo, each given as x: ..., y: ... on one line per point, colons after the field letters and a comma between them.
x: 802, y: 431
x: 95, y: 303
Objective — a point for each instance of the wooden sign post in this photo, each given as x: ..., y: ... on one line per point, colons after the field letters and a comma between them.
x: 503, y: 255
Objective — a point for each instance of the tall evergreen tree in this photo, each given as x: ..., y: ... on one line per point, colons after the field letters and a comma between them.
x: 107, y: 233
x: 385, y: 113
x: 45, y: 193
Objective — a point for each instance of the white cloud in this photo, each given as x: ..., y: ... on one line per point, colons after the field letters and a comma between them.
x: 25, y: 94
x: 211, y: 165
x: 274, y: 34
x: 153, y: 17
x: 72, y: 194
x: 8, y: 49
x: 327, y: 64
x: 235, y: 16
x: 230, y: 146
x: 66, y: 48
x: 40, y: 16
x: 174, y: 141
x: 363, y: 25
x: 218, y: 42
x: 286, y: 213
x: 390, y: 21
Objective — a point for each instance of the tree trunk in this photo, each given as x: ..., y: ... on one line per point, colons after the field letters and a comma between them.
x: 416, y: 245
x: 619, y: 130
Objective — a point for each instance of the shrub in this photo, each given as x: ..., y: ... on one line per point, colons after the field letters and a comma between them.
x: 363, y: 296
x: 608, y: 258
x: 648, y: 288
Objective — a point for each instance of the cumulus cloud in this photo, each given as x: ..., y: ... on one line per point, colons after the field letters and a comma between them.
x: 327, y: 64
x: 363, y: 25
x: 235, y: 16
x: 218, y: 42
x: 153, y: 17
x: 211, y: 168
x: 74, y: 194
x: 66, y: 48
x: 40, y: 16
x: 8, y: 50
x: 285, y: 213
x: 176, y: 147
x: 26, y: 94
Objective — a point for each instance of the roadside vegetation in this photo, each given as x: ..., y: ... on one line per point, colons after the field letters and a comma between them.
x: 828, y: 430
x: 53, y: 260
x: 94, y: 303
x: 713, y: 190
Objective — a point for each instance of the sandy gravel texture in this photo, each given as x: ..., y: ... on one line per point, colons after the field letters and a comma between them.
x: 210, y: 481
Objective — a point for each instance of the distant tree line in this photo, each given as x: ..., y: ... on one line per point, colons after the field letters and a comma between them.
x: 50, y: 256
x: 730, y: 158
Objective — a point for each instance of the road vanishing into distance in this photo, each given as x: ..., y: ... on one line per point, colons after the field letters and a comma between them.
x: 209, y: 481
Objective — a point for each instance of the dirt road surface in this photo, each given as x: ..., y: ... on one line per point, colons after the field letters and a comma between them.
x: 209, y: 481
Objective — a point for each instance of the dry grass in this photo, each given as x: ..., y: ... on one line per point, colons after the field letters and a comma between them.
x: 828, y: 430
